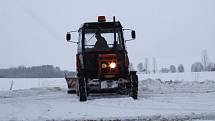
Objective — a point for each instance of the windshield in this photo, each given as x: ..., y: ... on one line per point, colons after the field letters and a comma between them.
x: 93, y: 35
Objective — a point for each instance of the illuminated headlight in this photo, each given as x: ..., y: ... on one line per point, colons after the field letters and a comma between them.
x: 104, y: 65
x: 112, y: 65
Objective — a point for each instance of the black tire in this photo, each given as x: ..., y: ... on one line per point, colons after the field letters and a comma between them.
x: 134, y: 86
x: 82, y: 89
x: 71, y: 91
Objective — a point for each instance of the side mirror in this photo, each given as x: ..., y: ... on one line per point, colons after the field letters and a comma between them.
x: 133, y: 34
x: 129, y: 34
x: 68, y: 36
x: 73, y: 35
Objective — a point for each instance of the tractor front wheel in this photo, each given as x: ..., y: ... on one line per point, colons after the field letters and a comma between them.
x: 134, y: 86
x: 82, y: 89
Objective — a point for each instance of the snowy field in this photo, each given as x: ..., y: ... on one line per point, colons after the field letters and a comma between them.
x: 47, y: 100
x: 187, y: 76
x: 27, y: 83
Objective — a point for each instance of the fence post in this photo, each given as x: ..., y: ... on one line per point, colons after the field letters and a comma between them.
x: 11, y: 85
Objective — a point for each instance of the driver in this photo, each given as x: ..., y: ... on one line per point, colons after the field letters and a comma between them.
x: 101, y: 43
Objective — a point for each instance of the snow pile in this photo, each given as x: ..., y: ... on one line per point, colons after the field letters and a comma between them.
x: 186, y: 76
x: 158, y: 86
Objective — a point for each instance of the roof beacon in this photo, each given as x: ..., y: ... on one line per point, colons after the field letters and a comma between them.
x: 101, y: 19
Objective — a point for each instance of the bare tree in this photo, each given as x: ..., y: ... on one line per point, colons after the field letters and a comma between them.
x: 180, y: 68
x: 197, y: 67
x: 172, y: 69
x: 210, y: 66
x: 204, y: 59
x: 164, y: 70
x: 146, y: 66
x: 140, y: 67
x: 154, y: 65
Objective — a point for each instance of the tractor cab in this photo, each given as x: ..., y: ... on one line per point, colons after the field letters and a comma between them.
x: 102, y: 57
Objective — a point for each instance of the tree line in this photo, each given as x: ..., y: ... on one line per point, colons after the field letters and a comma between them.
x: 203, y: 65
x: 43, y: 71
x: 145, y: 68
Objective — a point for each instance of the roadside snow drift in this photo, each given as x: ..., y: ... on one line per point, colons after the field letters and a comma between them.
x: 158, y: 100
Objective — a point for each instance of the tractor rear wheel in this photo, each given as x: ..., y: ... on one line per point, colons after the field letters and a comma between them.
x: 134, y: 86
x: 82, y: 89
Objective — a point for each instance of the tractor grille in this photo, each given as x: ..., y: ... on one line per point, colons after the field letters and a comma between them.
x: 108, y: 66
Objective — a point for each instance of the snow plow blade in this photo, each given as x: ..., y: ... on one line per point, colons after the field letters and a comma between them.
x: 71, y: 83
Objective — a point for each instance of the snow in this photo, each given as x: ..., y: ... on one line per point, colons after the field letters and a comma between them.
x: 158, y: 100
x: 26, y: 83
x: 186, y: 76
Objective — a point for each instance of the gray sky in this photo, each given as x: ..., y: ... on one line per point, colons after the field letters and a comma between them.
x: 32, y: 32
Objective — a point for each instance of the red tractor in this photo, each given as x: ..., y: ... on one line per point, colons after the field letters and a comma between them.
x: 102, y: 60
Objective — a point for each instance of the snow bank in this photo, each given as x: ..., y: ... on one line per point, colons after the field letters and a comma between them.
x: 158, y: 86
x: 186, y: 76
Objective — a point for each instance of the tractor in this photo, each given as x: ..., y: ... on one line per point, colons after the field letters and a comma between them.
x: 104, y: 67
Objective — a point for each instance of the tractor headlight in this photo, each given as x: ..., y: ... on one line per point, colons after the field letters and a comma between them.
x: 112, y: 65
x: 104, y: 65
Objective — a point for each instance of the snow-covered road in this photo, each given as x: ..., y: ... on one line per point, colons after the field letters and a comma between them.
x: 157, y: 101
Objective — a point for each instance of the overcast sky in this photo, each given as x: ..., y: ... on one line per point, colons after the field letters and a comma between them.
x: 33, y: 32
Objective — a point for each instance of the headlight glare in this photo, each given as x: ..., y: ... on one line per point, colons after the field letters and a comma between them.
x: 112, y: 65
